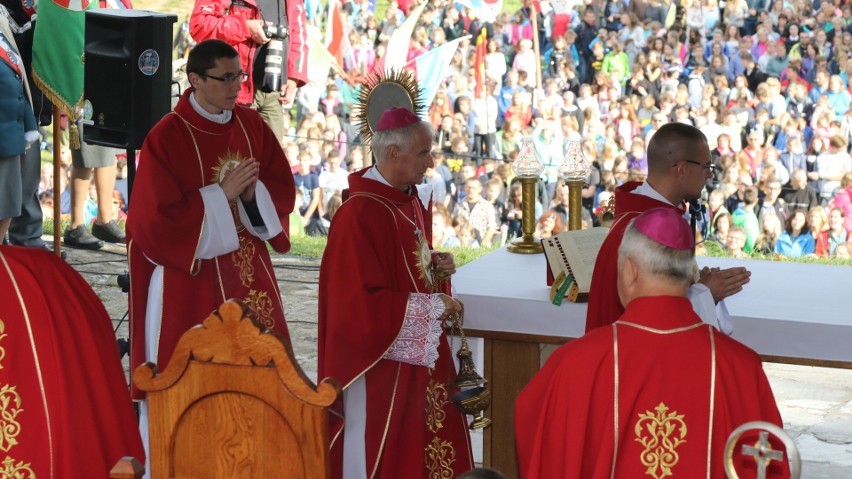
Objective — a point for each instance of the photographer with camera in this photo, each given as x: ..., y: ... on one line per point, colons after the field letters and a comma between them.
x: 269, y: 36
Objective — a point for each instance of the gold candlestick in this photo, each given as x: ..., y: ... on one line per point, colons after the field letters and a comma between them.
x: 527, y: 244
x: 574, y: 170
x: 575, y: 205
x: 528, y: 167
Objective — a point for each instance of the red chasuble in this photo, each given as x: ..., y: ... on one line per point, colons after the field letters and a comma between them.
x: 368, y: 270
x: 64, y: 404
x: 654, y: 395
x: 183, y: 153
x: 604, y: 305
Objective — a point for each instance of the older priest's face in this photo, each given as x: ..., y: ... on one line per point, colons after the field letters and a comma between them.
x: 218, y: 88
x: 414, y: 157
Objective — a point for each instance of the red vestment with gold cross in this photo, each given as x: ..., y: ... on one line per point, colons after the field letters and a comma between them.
x: 654, y: 395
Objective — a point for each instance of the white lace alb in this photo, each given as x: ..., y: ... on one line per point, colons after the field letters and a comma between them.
x: 418, y: 340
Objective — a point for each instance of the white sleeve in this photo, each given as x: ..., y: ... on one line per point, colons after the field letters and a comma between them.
x: 418, y: 340
x: 218, y: 233
x: 271, y: 223
x: 707, y: 309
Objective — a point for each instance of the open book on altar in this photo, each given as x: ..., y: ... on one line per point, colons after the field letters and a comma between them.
x: 571, y: 259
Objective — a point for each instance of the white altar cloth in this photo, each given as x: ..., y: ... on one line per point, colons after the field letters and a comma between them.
x: 799, y: 311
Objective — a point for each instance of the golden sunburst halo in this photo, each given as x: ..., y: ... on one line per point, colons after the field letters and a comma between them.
x: 424, y: 263
x: 226, y: 162
x: 382, y: 92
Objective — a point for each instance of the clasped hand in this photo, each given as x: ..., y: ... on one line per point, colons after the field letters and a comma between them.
x: 444, y: 265
x: 452, y: 307
x: 724, y: 282
x: 241, y: 180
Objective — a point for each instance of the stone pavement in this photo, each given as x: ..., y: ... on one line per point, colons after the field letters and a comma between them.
x: 816, y: 403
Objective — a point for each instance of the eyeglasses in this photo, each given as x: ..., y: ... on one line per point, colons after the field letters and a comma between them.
x: 704, y: 166
x: 229, y: 78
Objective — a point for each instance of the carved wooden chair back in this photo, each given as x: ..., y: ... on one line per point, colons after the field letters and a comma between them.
x: 234, y: 403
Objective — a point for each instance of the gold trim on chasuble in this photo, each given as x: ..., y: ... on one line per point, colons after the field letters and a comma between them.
x: 2, y: 336
x: 10, y: 470
x: 195, y: 267
x: 242, y: 259
x: 258, y: 302
x: 440, y: 454
x: 436, y: 399
x: 10, y: 407
x: 11, y: 403
x: 423, y: 262
x: 661, y: 433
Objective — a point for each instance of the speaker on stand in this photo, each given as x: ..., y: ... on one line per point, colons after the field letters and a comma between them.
x: 128, y: 75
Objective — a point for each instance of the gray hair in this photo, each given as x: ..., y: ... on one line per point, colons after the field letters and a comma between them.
x: 398, y: 137
x: 655, y: 258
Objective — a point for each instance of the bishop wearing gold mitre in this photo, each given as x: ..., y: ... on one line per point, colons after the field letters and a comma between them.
x: 657, y: 393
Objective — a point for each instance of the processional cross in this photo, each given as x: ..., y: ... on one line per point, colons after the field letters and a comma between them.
x: 762, y: 451
x: 763, y: 454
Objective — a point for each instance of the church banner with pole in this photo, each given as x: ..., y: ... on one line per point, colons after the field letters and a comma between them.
x: 58, y: 45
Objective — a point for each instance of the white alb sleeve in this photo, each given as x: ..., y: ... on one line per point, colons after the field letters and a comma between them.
x: 271, y: 223
x: 706, y: 308
x: 418, y: 340
x: 218, y: 233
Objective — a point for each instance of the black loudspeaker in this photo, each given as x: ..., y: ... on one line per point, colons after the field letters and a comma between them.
x: 128, y: 75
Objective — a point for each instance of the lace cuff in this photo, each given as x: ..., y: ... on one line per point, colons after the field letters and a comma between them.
x: 418, y: 341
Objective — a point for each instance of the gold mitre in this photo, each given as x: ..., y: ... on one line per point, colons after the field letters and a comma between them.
x: 381, y: 92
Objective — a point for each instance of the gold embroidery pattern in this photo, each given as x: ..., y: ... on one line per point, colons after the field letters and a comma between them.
x: 243, y: 261
x: 227, y: 162
x: 10, y: 407
x: 2, y: 335
x: 424, y: 266
x: 436, y: 399
x: 10, y: 470
x: 440, y: 456
x: 261, y: 305
x: 660, y: 434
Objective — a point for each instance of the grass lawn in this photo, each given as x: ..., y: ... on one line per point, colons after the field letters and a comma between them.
x: 313, y: 247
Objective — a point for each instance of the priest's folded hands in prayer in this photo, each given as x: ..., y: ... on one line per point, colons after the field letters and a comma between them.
x: 724, y: 282
x: 241, y: 180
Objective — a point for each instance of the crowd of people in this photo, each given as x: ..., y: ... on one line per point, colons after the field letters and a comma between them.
x: 766, y: 82
x: 768, y: 141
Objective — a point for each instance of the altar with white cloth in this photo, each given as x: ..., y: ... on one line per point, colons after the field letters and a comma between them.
x: 788, y: 312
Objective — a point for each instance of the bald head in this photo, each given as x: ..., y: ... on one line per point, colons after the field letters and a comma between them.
x: 671, y: 144
x: 679, y: 162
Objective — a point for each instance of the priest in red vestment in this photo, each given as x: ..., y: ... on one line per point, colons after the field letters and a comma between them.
x: 380, y: 320
x: 64, y: 404
x: 678, y: 166
x: 213, y: 187
x: 657, y: 393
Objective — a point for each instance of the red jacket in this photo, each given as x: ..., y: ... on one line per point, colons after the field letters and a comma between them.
x: 225, y: 20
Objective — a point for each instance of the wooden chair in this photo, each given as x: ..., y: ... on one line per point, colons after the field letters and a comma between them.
x: 234, y: 403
